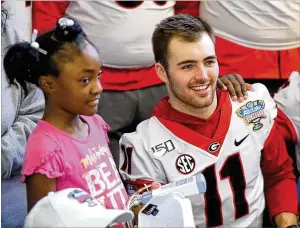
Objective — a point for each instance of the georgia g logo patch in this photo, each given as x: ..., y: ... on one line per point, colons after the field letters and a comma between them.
x: 185, y: 164
x: 214, y: 147
x: 252, y: 112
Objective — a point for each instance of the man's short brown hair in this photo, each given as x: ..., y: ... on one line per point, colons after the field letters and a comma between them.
x: 183, y: 26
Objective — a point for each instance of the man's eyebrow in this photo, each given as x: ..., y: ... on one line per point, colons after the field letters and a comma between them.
x: 195, y: 61
x: 186, y: 61
x: 209, y: 57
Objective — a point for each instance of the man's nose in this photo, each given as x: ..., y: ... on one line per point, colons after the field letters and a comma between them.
x: 201, y: 73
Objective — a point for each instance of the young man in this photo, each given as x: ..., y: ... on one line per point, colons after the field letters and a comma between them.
x: 198, y: 128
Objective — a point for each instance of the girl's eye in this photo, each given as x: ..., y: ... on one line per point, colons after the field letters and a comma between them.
x: 85, y: 81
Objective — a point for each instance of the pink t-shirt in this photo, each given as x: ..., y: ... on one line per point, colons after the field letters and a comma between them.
x: 76, y: 163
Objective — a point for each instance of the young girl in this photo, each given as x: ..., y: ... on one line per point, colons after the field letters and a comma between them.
x: 69, y: 146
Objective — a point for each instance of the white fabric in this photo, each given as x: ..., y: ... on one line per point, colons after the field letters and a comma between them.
x: 122, y: 36
x: 288, y: 100
x: 173, y: 210
x: 269, y: 25
x: 73, y: 208
x: 147, y: 165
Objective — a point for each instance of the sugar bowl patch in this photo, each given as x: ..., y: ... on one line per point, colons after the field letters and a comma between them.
x: 252, y: 113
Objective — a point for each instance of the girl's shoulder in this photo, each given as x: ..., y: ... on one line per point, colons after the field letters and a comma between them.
x: 43, y: 153
x: 98, y: 122
x: 43, y: 135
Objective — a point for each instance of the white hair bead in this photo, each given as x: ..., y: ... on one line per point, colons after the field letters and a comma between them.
x: 35, y: 45
x: 70, y: 22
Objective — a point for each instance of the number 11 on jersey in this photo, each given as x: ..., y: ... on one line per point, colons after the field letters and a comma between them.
x: 232, y: 169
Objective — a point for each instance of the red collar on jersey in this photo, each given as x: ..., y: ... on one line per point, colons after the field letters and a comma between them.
x: 180, y: 123
x: 165, y: 110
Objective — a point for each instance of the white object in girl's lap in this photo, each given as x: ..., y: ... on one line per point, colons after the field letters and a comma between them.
x: 167, y: 206
x: 167, y: 210
x: 73, y: 208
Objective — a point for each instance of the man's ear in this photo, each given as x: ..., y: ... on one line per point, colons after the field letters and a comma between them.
x: 161, y: 72
x: 48, y: 84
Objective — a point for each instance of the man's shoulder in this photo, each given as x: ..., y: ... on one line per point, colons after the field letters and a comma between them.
x: 259, y: 91
x: 259, y: 97
x: 148, y: 133
x: 257, y: 112
x: 144, y: 130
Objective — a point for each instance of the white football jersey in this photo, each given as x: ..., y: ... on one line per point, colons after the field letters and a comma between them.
x: 121, y: 30
x: 288, y: 100
x: 165, y: 151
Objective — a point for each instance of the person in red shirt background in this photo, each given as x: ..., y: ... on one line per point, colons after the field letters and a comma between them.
x: 259, y: 40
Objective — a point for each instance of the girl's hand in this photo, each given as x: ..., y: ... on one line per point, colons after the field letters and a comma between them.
x: 235, y: 85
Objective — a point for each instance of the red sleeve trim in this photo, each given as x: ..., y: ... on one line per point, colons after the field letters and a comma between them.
x: 285, y: 124
x: 279, y: 178
x: 280, y: 198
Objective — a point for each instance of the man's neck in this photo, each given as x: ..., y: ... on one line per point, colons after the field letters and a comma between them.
x: 202, y: 113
